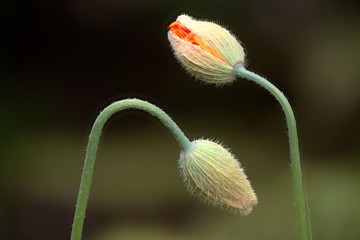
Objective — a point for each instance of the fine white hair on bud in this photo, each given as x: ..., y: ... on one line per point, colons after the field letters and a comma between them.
x: 212, y: 173
x: 207, y: 51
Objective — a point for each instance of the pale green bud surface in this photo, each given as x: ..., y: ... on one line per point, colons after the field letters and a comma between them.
x: 212, y: 173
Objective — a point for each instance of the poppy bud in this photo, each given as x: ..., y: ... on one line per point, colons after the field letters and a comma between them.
x: 211, y: 173
x: 207, y: 51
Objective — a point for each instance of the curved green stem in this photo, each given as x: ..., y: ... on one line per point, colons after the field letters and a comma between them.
x: 92, y: 147
x: 300, y: 207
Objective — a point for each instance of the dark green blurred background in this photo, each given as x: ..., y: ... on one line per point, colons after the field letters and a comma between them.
x: 64, y: 61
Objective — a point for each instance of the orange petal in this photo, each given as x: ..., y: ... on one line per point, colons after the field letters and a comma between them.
x: 185, y: 34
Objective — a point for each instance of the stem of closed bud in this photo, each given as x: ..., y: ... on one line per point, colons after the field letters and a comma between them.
x: 225, y: 185
x: 92, y: 147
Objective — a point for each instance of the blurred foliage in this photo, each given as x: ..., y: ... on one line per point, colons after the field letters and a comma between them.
x: 137, y: 193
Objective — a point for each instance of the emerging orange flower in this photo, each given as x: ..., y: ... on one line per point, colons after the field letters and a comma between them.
x: 185, y: 34
x: 206, y: 50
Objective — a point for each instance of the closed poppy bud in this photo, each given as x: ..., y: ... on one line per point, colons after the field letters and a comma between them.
x: 211, y: 173
x: 207, y: 51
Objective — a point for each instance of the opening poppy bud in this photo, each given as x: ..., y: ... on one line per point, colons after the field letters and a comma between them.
x: 212, y: 174
x: 207, y: 51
